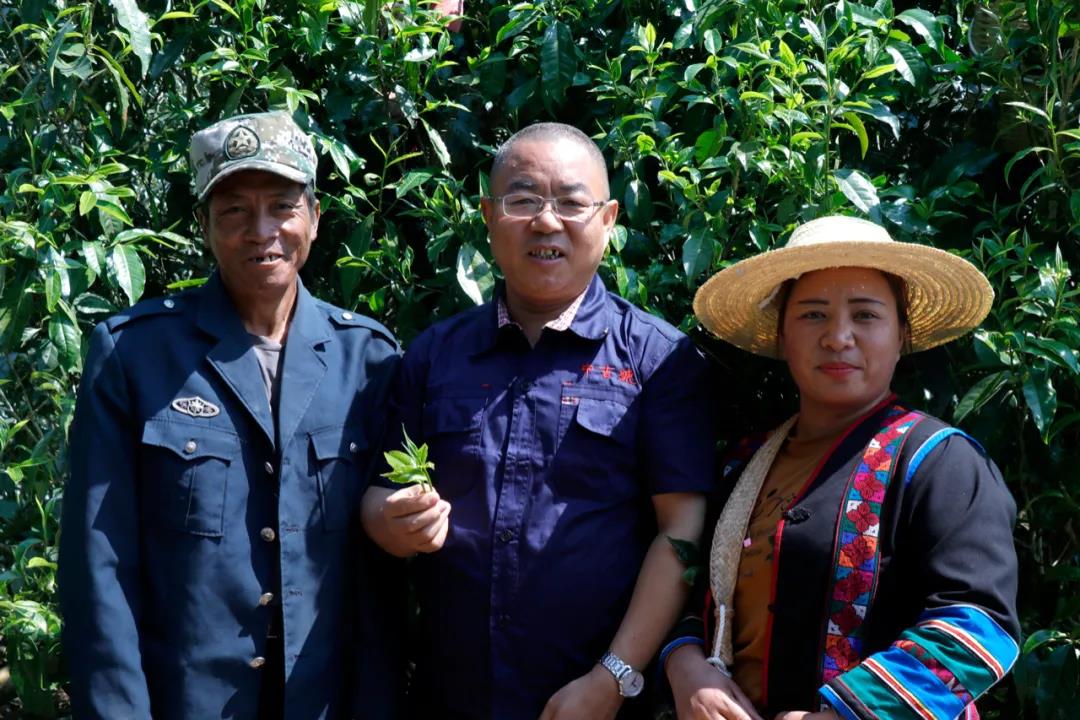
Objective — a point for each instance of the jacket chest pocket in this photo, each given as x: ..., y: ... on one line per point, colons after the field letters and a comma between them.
x: 337, y: 453
x: 186, y: 468
x: 596, y: 457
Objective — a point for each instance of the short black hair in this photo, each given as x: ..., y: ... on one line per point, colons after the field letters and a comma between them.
x: 550, y: 132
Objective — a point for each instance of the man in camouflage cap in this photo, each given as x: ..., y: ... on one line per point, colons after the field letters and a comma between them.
x: 211, y: 561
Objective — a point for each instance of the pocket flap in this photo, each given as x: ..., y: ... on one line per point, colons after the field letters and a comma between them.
x: 342, y: 441
x: 191, y: 441
x: 603, y: 417
x: 453, y: 414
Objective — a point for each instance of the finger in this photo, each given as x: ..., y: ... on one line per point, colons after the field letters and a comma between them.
x: 744, y: 703
x: 432, y: 539
x: 422, y: 521
x: 409, y: 501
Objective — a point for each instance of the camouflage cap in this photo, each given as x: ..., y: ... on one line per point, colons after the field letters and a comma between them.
x: 268, y: 141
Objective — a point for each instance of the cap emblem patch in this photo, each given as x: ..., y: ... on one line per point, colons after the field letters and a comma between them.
x: 242, y: 142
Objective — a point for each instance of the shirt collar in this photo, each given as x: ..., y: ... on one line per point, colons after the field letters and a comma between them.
x: 559, y: 324
x: 587, y: 317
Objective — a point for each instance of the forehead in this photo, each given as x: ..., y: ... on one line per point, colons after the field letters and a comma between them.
x: 549, y: 166
x: 255, y: 181
x: 843, y: 282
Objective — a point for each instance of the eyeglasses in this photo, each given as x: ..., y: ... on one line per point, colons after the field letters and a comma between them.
x: 574, y: 208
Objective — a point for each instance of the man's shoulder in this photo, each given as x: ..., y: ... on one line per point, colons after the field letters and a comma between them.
x: 458, y: 325
x: 169, y: 306
x: 643, y: 320
x: 347, y: 321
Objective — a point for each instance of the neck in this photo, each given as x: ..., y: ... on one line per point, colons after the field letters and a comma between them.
x: 266, y: 316
x: 818, y: 421
x: 533, y: 316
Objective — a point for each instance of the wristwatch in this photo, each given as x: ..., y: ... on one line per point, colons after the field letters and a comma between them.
x: 630, y: 680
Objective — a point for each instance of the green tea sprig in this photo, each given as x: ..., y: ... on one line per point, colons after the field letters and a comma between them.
x: 410, y: 466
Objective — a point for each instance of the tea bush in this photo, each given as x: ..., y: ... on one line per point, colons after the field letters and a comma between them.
x: 724, y: 122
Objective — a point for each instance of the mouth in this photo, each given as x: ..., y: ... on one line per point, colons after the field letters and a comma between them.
x: 266, y: 259
x: 547, y: 253
x: 837, y: 368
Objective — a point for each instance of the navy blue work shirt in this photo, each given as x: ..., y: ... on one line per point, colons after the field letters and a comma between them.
x: 549, y: 456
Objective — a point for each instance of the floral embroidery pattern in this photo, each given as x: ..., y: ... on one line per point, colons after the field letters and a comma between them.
x: 857, y: 555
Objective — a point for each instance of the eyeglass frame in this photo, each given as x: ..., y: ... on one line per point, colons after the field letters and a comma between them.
x: 545, y: 203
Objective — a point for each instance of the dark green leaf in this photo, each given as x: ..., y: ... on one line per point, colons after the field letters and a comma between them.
x: 135, y: 22
x: 925, y: 24
x: 980, y: 394
x: 858, y: 189
x: 697, y: 253
x: 437, y: 144
x: 474, y: 274
x: 126, y: 271
x: 686, y: 550
x: 558, y: 62
x: 65, y: 336
x: 1041, y: 399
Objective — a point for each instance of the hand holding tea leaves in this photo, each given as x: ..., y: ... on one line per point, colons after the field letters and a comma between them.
x: 410, y: 466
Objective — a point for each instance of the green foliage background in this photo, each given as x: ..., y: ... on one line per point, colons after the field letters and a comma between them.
x: 725, y: 123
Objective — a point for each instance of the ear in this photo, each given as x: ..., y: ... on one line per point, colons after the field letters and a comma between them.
x: 202, y: 218
x: 316, y: 213
x: 487, y: 209
x: 608, y: 215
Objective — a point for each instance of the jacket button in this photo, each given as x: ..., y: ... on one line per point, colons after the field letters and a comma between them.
x: 268, y: 468
x: 267, y: 534
x: 190, y: 447
x: 266, y: 598
x: 169, y: 303
x: 257, y: 662
x: 346, y: 316
x: 506, y: 535
x: 352, y: 447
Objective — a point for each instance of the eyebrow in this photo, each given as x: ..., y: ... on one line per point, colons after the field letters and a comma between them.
x: 519, y: 184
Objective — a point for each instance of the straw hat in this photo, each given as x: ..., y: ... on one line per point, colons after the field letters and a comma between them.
x: 947, y: 296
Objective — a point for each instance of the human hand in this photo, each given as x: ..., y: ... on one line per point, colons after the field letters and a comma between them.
x: 407, y: 521
x: 593, y: 696
x: 702, y: 692
x: 799, y: 715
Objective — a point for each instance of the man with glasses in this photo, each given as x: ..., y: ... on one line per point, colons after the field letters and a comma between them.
x: 571, y: 435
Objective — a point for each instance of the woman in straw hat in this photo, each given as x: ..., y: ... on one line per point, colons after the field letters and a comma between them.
x: 863, y: 564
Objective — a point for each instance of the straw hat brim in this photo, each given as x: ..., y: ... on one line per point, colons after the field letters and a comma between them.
x: 947, y: 295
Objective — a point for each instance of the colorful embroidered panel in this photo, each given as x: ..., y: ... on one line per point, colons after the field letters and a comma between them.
x: 934, y: 671
x: 856, y: 555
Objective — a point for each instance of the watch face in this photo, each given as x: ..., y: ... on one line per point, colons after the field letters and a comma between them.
x: 631, y: 683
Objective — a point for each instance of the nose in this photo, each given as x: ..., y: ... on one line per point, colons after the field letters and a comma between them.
x: 262, y: 225
x: 546, y: 221
x: 838, y: 334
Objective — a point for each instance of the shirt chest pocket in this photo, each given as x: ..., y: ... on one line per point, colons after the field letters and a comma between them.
x: 453, y: 427
x: 186, y: 469
x: 337, y: 454
x: 596, y: 458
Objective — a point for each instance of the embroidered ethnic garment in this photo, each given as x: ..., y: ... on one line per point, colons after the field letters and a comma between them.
x: 932, y: 672
x: 857, y: 554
